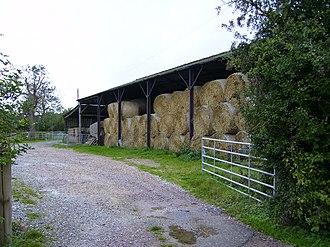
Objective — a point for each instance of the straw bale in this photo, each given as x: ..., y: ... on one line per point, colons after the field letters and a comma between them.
x: 203, y: 116
x: 212, y: 92
x: 113, y: 126
x: 235, y: 89
x: 181, y: 123
x: 128, y: 108
x: 226, y: 137
x: 141, y: 103
x: 186, y: 98
x: 160, y: 142
x: 127, y: 137
x: 223, y: 121
x: 176, y: 142
x: 112, y: 108
x: 196, y: 142
x: 177, y: 102
x: 106, y: 125
x: 240, y: 121
x: 135, y: 128
x: 162, y: 104
x: 166, y: 125
x: 154, y: 127
x: 110, y: 140
x: 243, y: 136
x: 93, y: 129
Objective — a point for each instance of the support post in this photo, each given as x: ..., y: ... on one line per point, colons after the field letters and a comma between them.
x: 79, y: 123
x: 190, y: 85
x: 98, y: 121
x: 191, y: 104
x: 147, y: 94
x: 119, y: 97
x: 5, y: 205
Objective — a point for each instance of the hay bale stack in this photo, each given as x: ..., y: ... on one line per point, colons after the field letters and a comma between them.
x: 181, y: 123
x: 135, y: 130
x: 110, y: 140
x: 235, y: 89
x: 160, y: 142
x: 177, y: 102
x: 240, y: 121
x: 243, y: 136
x: 212, y: 92
x: 223, y: 121
x: 154, y: 127
x: 176, y: 142
x: 186, y: 98
x: 166, y: 125
x: 112, y: 108
x: 106, y: 125
x: 196, y: 142
x: 113, y: 126
x: 127, y: 137
x: 162, y: 104
x: 203, y: 117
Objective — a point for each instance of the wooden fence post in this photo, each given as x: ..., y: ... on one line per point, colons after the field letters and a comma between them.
x: 5, y: 205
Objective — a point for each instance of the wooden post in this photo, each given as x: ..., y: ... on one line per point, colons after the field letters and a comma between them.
x: 5, y: 205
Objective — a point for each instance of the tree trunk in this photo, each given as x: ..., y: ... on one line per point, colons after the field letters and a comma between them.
x: 5, y: 205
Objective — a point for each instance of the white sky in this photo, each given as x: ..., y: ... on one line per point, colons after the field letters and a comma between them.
x: 95, y: 45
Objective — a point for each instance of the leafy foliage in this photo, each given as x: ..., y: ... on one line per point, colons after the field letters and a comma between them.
x: 288, y: 62
x: 11, y: 123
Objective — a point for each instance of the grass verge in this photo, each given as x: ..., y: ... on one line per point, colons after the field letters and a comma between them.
x: 25, y: 235
x: 185, y: 171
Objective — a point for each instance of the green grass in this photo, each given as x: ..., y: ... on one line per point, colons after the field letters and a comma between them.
x: 185, y: 171
x: 23, y: 193
x: 26, y: 236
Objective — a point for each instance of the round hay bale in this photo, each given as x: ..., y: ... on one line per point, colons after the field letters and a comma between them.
x: 235, y: 89
x: 112, y: 109
x: 176, y: 142
x: 177, y: 102
x: 154, y: 127
x: 243, y: 136
x: 203, y: 116
x: 186, y: 98
x: 126, y: 132
x: 223, y: 118
x: 212, y: 92
x: 181, y: 123
x: 166, y: 125
x: 196, y: 142
x: 113, y: 126
x: 135, y: 129
x: 162, y: 104
x: 160, y: 142
x: 106, y: 125
x: 110, y: 140
x: 240, y: 121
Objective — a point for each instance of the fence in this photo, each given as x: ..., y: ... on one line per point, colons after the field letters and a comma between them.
x: 56, y: 136
x: 233, y: 163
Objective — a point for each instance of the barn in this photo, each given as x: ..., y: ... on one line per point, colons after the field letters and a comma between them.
x: 169, y: 109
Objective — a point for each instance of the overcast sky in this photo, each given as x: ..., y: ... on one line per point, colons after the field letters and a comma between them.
x: 95, y: 45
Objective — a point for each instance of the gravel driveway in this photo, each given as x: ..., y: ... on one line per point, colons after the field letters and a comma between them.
x: 91, y: 200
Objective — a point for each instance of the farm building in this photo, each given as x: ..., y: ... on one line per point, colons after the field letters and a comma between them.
x: 167, y: 110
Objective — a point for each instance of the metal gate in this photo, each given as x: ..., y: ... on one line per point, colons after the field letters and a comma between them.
x: 234, y: 164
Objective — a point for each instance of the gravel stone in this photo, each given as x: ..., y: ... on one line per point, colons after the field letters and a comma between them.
x: 91, y: 200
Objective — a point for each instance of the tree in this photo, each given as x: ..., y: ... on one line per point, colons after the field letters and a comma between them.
x: 11, y: 126
x: 39, y: 94
x: 287, y: 60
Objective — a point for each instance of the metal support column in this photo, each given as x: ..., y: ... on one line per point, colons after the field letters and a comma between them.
x: 190, y: 85
x: 147, y: 94
x: 79, y: 123
x: 98, y: 120
x: 119, y: 97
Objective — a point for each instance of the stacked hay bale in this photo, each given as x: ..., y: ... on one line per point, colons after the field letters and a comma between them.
x: 217, y: 113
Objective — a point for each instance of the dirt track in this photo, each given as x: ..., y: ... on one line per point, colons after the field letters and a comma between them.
x: 91, y: 200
